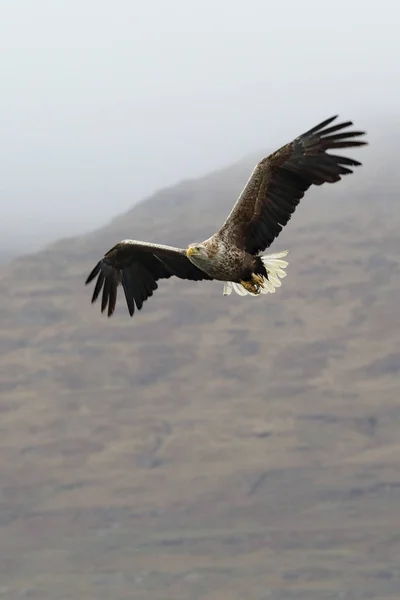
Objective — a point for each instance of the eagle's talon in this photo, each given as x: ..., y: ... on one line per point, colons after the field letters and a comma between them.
x: 251, y: 287
x: 258, y: 280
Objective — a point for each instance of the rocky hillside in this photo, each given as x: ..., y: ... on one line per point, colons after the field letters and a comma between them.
x: 216, y: 448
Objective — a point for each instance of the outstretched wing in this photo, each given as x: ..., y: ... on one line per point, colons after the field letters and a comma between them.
x: 280, y: 180
x: 137, y: 266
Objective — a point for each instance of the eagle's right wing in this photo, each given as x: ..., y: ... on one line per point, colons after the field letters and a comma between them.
x: 280, y: 180
x: 137, y: 266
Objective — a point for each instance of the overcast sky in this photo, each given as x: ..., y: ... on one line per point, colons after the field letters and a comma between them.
x: 102, y: 102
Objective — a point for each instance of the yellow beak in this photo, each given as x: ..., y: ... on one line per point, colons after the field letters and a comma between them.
x: 191, y: 251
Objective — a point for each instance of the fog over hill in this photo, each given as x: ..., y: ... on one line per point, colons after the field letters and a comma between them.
x: 211, y: 447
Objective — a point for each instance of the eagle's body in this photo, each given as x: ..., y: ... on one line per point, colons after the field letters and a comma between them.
x: 223, y: 261
x: 234, y: 253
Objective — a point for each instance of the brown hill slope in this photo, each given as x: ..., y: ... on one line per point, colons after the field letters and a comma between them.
x: 214, y: 448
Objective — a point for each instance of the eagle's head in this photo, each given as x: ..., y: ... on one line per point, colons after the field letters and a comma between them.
x: 198, y: 254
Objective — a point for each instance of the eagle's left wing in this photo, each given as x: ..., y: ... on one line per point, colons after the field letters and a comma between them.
x: 280, y: 180
x: 137, y: 266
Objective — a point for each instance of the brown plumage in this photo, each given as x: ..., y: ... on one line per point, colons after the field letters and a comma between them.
x: 232, y: 254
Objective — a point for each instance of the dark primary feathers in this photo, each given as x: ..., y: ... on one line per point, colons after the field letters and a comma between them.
x: 279, y: 181
x: 137, y: 266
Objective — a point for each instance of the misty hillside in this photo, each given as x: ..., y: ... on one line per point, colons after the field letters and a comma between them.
x: 216, y: 448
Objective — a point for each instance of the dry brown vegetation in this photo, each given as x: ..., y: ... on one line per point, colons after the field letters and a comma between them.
x: 210, y: 448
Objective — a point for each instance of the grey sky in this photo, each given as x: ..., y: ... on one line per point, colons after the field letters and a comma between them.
x: 103, y: 102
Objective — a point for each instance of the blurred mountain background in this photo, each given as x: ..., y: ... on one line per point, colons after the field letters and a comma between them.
x: 210, y: 448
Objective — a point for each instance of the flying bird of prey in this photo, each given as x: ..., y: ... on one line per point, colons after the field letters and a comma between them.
x: 234, y: 254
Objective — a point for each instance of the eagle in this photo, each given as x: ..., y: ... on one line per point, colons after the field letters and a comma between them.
x: 234, y: 254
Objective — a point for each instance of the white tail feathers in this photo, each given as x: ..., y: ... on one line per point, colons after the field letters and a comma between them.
x: 275, y: 267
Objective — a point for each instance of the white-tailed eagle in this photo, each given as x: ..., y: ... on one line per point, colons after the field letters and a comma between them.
x: 233, y: 254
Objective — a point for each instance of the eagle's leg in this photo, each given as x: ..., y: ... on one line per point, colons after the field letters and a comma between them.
x: 258, y: 280
x: 254, y: 285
